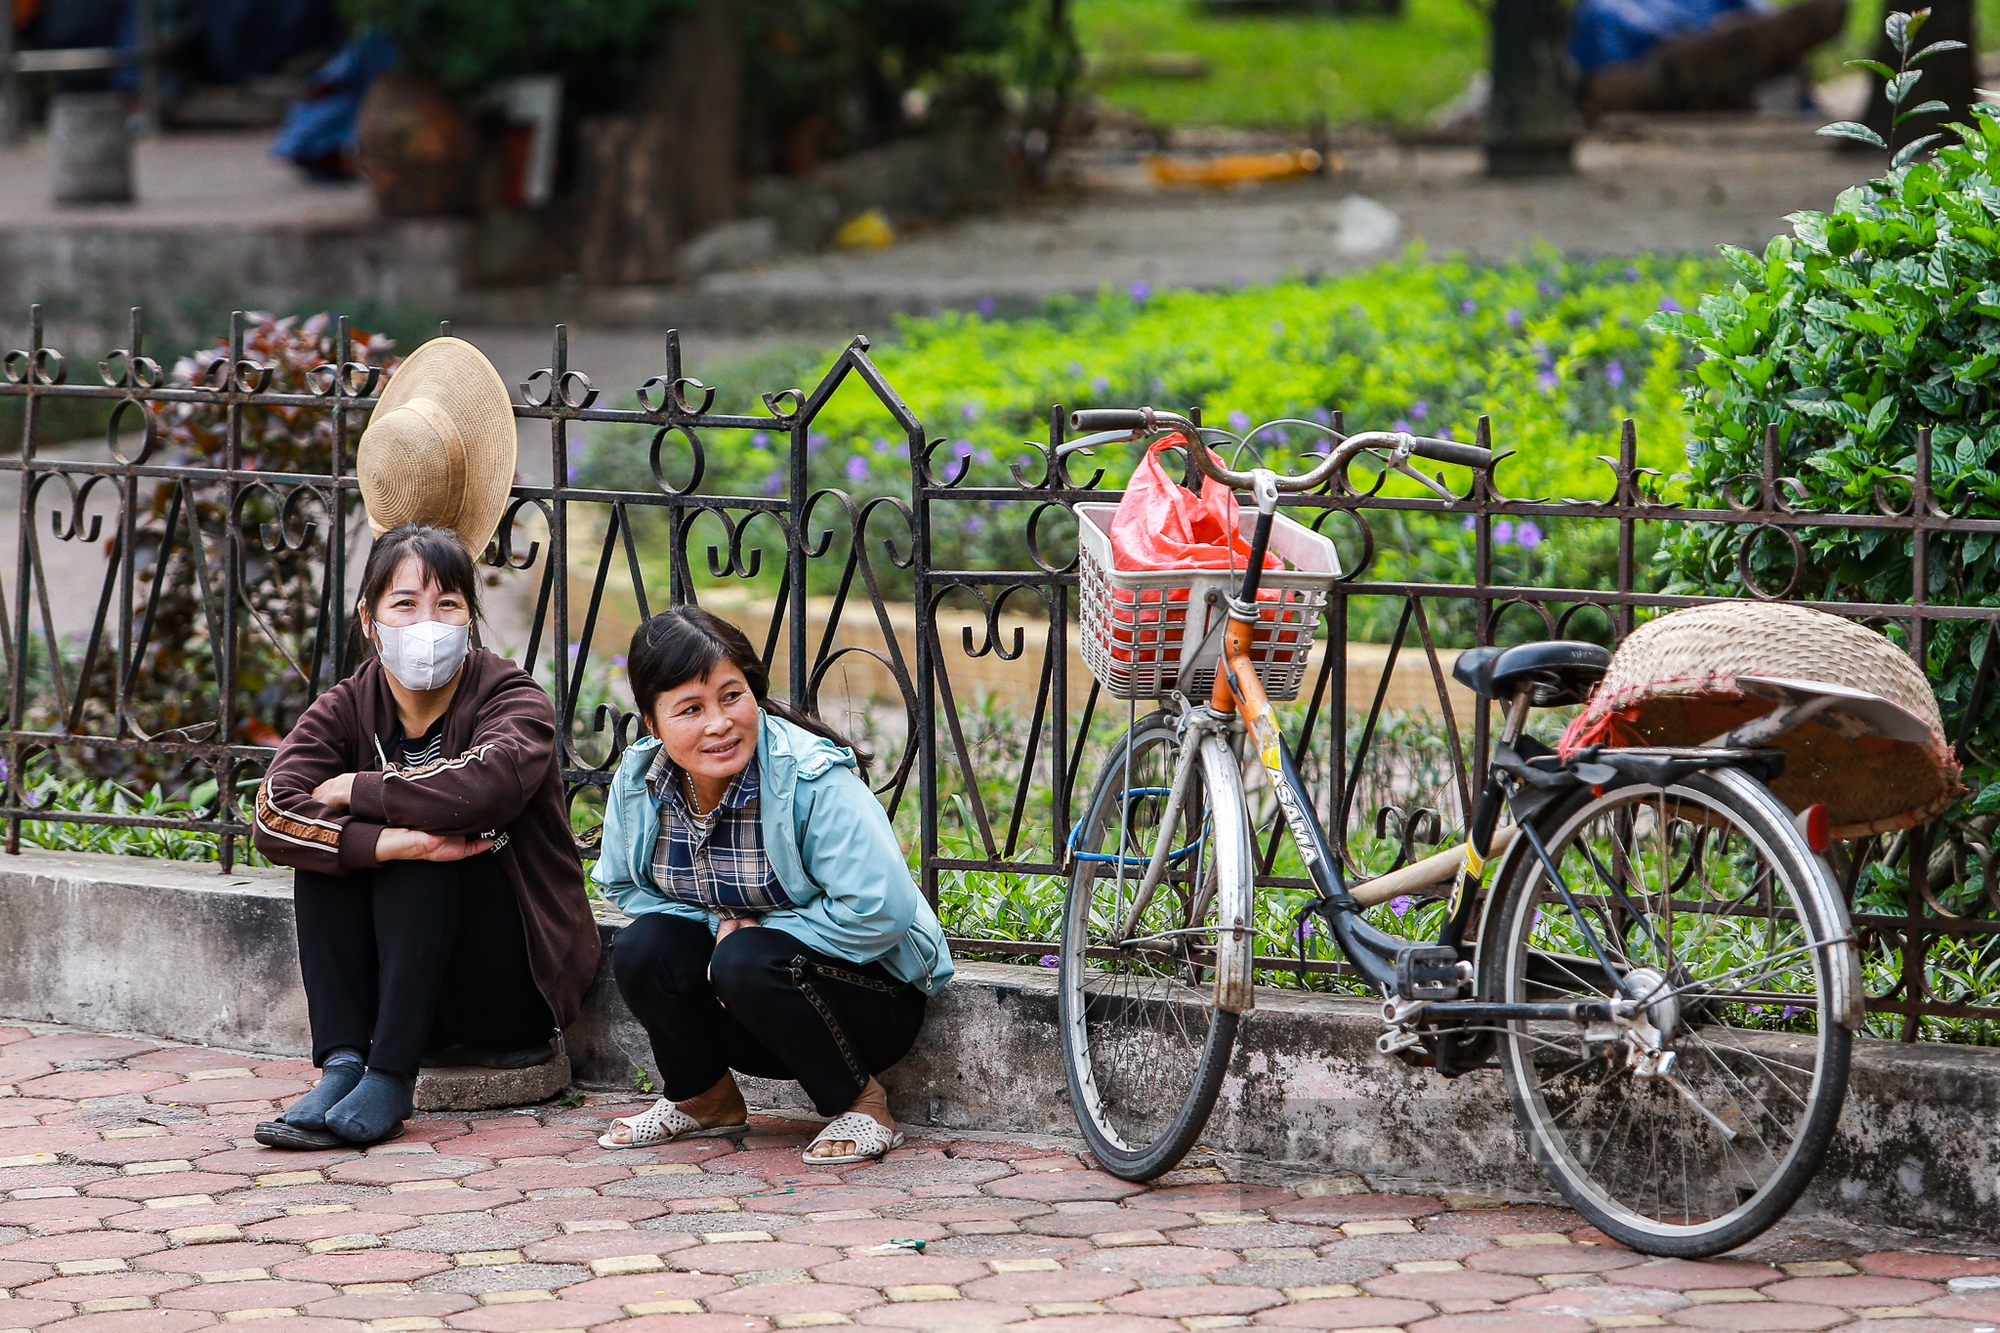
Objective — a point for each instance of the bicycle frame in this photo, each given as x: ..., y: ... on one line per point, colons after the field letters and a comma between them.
x: 1418, y: 977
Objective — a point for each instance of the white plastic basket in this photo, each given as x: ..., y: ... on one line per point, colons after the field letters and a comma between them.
x: 1143, y: 631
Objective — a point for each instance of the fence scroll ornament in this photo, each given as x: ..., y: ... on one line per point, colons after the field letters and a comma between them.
x: 265, y: 559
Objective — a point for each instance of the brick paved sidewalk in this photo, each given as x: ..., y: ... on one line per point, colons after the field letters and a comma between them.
x: 135, y: 1200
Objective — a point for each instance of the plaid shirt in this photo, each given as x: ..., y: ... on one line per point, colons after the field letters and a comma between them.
x: 715, y: 861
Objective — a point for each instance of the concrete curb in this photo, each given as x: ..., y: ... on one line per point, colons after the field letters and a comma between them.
x: 178, y: 950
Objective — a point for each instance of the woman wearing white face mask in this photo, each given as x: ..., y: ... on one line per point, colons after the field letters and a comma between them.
x: 439, y: 895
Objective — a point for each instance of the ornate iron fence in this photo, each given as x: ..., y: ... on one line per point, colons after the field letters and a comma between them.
x: 213, y: 590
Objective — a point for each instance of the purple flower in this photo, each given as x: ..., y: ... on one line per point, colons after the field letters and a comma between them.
x: 1470, y: 523
x: 1538, y: 919
x: 969, y: 412
x: 857, y: 468
x: 1548, y: 291
x: 903, y: 450
x: 1528, y: 536
x: 1159, y: 385
x: 1547, y: 379
x: 983, y: 456
x: 1050, y: 960
x: 1239, y: 421
x: 1277, y: 328
x: 1503, y: 532
x: 1631, y: 273
x: 1309, y: 926
x: 974, y: 525
x: 574, y: 649
x: 618, y: 660
x: 1400, y: 903
x: 1513, y: 318
x: 1140, y: 290
x: 1444, y: 433
x: 1670, y: 305
x: 760, y: 439
x: 986, y: 305
x: 572, y: 471
x: 1100, y: 385
x: 1614, y: 374
x: 815, y: 442
x: 1402, y: 426
x: 961, y: 448
x: 1789, y: 1011
x: 1322, y: 416
x: 1419, y: 410
x: 1467, y: 306
x: 1076, y: 367
x: 775, y: 482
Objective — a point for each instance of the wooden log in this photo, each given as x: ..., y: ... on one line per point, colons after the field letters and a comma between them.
x: 666, y: 169
x: 1718, y: 68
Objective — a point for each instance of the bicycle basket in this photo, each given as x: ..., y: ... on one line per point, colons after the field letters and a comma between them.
x: 1143, y: 631
x: 1875, y: 755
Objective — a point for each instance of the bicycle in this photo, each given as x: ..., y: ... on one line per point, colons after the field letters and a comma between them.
x: 1651, y: 948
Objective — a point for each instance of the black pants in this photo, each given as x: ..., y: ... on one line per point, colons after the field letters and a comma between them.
x: 414, y: 956
x: 775, y: 1009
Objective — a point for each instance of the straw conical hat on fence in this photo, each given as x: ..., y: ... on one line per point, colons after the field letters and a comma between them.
x: 1874, y: 755
x: 440, y: 447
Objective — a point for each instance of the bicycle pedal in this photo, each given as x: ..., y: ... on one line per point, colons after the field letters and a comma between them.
x: 1427, y: 972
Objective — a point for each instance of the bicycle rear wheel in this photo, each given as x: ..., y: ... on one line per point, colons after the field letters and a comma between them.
x: 1143, y: 1043
x: 1705, y: 893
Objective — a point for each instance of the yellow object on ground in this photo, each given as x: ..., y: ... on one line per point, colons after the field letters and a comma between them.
x: 1237, y: 168
x: 865, y: 231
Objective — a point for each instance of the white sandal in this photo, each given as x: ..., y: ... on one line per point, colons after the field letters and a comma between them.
x: 663, y: 1122
x: 870, y: 1137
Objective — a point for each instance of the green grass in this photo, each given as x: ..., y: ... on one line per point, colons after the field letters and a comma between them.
x: 1283, y: 71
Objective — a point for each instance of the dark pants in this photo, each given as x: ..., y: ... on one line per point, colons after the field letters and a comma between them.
x: 775, y: 1009
x: 414, y: 956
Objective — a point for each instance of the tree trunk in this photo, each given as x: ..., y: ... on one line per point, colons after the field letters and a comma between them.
x: 1532, y: 122
x: 1948, y: 77
x: 666, y: 171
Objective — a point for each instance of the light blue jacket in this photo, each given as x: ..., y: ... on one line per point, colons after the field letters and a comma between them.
x: 828, y: 840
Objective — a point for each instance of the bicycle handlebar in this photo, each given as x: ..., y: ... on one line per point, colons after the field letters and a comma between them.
x: 1146, y: 421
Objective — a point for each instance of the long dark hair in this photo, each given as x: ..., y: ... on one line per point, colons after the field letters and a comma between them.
x: 686, y: 643
x: 444, y: 559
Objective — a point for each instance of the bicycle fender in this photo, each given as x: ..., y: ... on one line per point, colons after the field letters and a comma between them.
x: 1236, y: 939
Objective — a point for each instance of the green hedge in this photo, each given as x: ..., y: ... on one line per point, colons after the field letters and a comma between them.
x: 1556, y: 350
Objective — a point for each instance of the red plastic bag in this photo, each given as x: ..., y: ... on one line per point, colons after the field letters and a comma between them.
x: 1160, y: 524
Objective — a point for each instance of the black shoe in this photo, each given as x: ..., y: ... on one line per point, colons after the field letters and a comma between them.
x: 279, y: 1134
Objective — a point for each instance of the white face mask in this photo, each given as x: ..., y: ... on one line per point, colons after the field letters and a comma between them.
x: 423, y: 656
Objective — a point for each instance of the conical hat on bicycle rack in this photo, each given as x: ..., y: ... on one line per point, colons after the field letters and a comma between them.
x: 1873, y: 751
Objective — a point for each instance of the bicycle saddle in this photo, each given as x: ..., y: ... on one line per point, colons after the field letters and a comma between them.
x: 1566, y: 666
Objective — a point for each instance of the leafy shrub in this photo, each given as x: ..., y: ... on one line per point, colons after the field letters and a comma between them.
x: 1871, y: 323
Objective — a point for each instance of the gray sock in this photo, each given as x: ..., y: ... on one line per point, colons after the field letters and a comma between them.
x: 342, y: 1071
x: 377, y: 1105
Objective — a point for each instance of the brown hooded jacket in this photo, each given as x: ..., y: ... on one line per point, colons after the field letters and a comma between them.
x: 498, y: 773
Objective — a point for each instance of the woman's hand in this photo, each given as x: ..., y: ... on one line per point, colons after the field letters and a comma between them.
x: 337, y: 791
x: 408, y: 844
x: 729, y: 925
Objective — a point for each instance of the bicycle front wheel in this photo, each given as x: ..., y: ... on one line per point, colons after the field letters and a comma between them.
x: 1705, y: 894
x: 1143, y: 1042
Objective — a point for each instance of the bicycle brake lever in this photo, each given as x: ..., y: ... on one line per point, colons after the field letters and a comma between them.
x: 1432, y: 482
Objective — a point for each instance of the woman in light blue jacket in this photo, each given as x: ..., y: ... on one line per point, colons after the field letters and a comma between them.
x: 775, y: 927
